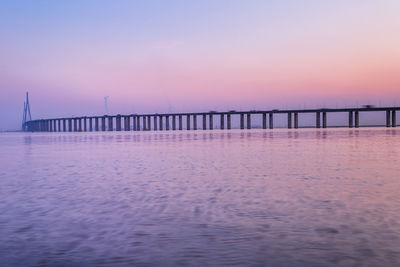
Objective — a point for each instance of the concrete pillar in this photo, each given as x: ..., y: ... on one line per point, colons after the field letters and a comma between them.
x: 318, y: 120
x: 211, y: 122
x: 167, y: 122
x: 222, y: 122
x: 149, y: 123
x: 194, y: 122
x: 127, y: 123
x: 84, y: 124
x: 75, y: 125
x: 70, y: 125
x: 242, y: 121
x: 90, y: 124
x: 96, y: 124
x: 111, y: 123
x: 271, y: 120
x: 324, y: 122
x: 248, y: 121
x: 350, y: 119
x: 204, y: 122
x: 387, y: 118
x: 118, y: 121
x: 173, y: 122
x: 180, y: 122
x: 229, y: 121
x: 160, y: 122
x: 134, y: 123
x: 393, y: 118
x: 188, y: 122
x: 80, y: 124
x: 155, y: 123
x: 144, y: 123
x: 59, y: 125
x: 64, y: 125
x: 296, y: 120
x: 264, y: 120
x: 289, y: 121
x: 103, y: 123
x: 357, y: 120
x: 138, y: 123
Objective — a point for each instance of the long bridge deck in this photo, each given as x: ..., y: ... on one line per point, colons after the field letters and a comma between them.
x: 173, y: 121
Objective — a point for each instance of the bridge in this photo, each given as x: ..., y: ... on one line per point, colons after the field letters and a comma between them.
x: 174, y: 121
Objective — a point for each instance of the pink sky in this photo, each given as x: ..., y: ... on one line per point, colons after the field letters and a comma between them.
x: 148, y: 57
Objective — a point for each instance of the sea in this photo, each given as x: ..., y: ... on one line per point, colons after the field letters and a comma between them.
x: 299, y: 197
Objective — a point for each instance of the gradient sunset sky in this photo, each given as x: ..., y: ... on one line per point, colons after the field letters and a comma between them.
x: 155, y: 56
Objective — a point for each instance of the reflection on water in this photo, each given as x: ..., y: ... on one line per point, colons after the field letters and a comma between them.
x: 289, y: 198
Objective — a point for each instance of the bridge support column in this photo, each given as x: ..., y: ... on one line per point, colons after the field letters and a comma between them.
x: 118, y: 122
x: 194, y: 122
x: 324, y: 122
x: 289, y: 122
x: 264, y: 120
x: 155, y: 123
x: 90, y: 124
x: 80, y: 124
x: 180, y: 122
x: 138, y: 128
x: 211, y: 121
x: 248, y: 121
x: 149, y: 123
x: 167, y: 122
x: 173, y: 122
x: 64, y: 122
x: 222, y: 122
x: 241, y: 121
x: 350, y: 119
x: 387, y: 118
x: 103, y: 123
x: 229, y: 121
x: 357, y: 119
x: 111, y: 123
x: 160, y: 122
x: 70, y: 125
x: 271, y: 120
x: 188, y: 122
x: 296, y: 120
x: 59, y: 125
x: 75, y: 125
x: 318, y: 120
x: 85, y: 124
x: 96, y: 124
x: 393, y: 118
x: 204, y: 122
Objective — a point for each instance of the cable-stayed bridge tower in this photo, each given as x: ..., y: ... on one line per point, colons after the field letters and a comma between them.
x: 27, y: 113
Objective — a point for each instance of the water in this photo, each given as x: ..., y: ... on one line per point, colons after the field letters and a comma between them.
x: 273, y: 198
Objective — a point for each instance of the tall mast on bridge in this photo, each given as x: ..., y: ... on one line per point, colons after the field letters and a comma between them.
x: 27, y: 113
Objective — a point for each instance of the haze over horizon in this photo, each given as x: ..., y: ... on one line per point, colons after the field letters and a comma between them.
x: 151, y: 56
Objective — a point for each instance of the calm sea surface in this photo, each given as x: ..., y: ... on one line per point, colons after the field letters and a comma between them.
x: 276, y: 198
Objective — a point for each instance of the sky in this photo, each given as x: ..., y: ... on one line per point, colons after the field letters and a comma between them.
x: 160, y: 56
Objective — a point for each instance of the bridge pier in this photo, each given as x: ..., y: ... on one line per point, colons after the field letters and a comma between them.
x: 393, y: 118
x: 84, y: 124
x: 289, y: 122
x: 167, y: 122
x: 111, y: 123
x: 222, y: 122
x: 324, y: 120
x: 296, y: 120
x: 149, y: 123
x: 155, y: 123
x: 103, y: 123
x: 204, y: 122
x: 241, y: 121
x: 271, y: 120
x: 387, y: 118
x: 264, y: 120
x: 194, y: 122
x: 350, y: 119
x: 211, y: 122
x: 188, y: 122
x: 160, y: 122
x: 248, y: 121
x: 229, y: 121
x: 180, y: 122
x: 118, y: 123
x: 173, y: 122
x: 356, y: 119
x: 318, y: 120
